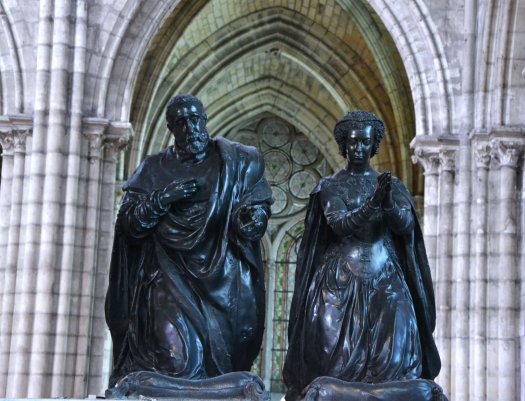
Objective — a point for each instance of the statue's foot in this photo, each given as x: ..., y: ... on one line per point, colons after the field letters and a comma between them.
x: 331, y: 389
x: 237, y: 386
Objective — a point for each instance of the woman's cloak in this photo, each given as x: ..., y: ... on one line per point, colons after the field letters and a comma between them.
x: 412, y: 257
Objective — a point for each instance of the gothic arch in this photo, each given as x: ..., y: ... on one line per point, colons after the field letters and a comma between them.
x: 134, y: 28
x: 11, y: 79
x: 281, y: 32
x: 417, y: 40
x: 139, y: 52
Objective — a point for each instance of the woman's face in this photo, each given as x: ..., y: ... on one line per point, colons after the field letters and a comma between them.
x: 359, y: 144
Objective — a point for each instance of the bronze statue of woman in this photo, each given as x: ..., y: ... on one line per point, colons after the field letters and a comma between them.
x: 363, y: 308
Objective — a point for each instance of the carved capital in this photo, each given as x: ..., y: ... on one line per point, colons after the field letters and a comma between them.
x: 106, y: 139
x: 95, y: 146
x: 482, y: 155
x: 113, y: 146
x: 117, y: 139
x: 94, y: 129
x: 429, y: 160
x: 20, y: 139
x: 14, y: 141
x: 506, y: 153
x: 447, y: 160
x: 8, y: 143
x: 14, y: 130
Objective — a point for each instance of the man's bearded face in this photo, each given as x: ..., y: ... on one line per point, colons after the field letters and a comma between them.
x: 190, y: 130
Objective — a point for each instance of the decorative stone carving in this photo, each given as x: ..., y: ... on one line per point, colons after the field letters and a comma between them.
x: 117, y: 139
x: 447, y: 160
x: 482, y: 155
x: 113, y: 146
x: 7, y: 142
x: 506, y: 153
x: 93, y: 130
x: 278, y: 166
x: 14, y: 130
x: 303, y: 152
x: 429, y: 160
x: 275, y: 133
x: 103, y: 135
x: 280, y: 200
x: 301, y: 184
x: 20, y: 139
x: 14, y: 141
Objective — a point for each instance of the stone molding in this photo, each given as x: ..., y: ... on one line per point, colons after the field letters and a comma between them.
x: 435, y: 154
x: 14, y: 130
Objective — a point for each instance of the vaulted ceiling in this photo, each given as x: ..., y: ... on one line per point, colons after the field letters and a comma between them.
x: 307, y: 62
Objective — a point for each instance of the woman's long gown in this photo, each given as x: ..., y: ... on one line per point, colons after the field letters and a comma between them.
x: 359, y: 312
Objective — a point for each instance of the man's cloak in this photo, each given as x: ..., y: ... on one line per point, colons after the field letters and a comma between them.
x: 187, y: 300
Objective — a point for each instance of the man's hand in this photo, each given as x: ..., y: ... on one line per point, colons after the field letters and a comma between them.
x: 178, y: 190
x: 252, y: 221
x: 383, y: 193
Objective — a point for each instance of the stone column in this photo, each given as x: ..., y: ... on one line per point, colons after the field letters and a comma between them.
x: 270, y: 311
x: 443, y: 276
x: 478, y: 276
x: 429, y: 159
x: 26, y: 282
x: 460, y: 277
x: 115, y: 140
x: 10, y: 259
x: 503, y: 297
x: 7, y: 144
x: 65, y: 347
x: 49, y: 268
x: 94, y: 130
x: 439, y: 165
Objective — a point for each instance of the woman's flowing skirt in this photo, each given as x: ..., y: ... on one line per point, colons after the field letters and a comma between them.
x: 361, y: 328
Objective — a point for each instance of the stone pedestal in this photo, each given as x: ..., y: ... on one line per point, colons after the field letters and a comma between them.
x: 235, y: 386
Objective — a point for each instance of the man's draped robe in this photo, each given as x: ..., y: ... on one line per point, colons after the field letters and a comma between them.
x: 186, y: 290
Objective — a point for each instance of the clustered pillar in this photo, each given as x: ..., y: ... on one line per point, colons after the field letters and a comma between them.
x: 474, y: 244
x: 503, y: 295
x: 57, y: 194
x: 478, y: 274
x: 14, y: 133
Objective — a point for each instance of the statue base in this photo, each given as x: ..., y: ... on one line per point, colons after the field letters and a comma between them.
x: 235, y: 386
x: 331, y: 389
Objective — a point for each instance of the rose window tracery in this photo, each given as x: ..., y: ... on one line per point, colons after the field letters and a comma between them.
x: 294, y: 166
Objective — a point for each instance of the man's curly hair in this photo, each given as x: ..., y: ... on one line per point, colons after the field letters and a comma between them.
x: 180, y: 101
x: 359, y: 119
